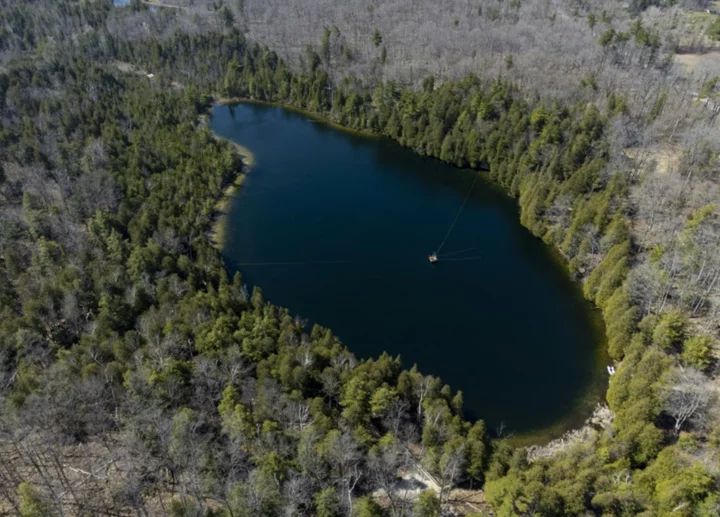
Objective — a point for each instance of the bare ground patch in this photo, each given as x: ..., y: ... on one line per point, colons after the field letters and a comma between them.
x: 694, y: 61
x: 658, y: 160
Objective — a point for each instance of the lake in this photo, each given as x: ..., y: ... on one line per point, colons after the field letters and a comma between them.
x: 337, y: 227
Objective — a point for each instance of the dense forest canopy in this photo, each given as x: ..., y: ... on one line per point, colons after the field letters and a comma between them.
x: 136, y: 377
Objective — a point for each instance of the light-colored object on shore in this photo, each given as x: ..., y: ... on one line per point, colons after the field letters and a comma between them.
x: 601, y: 419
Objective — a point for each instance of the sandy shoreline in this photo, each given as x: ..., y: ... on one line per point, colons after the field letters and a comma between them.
x: 218, y: 227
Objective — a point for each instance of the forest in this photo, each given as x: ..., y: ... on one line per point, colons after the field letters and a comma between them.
x: 137, y: 378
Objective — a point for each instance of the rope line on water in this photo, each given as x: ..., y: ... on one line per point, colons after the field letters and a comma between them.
x: 457, y: 216
x: 467, y: 258
x: 328, y: 262
x: 304, y: 263
x: 458, y: 252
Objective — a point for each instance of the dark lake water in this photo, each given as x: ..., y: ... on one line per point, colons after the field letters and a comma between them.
x: 357, y: 216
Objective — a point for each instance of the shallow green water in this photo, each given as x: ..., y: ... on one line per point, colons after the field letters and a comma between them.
x: 356, y: 218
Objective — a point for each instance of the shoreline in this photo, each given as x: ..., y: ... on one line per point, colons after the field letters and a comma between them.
x: 232, y: 101
x: 217, y: 232
x: 219, y: 220
x: 585, y: 409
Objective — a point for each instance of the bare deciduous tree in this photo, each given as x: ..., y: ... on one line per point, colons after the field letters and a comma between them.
x: 688, y: 397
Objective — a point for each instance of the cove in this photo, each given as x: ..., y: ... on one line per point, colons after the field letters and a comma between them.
x: 337, y: 227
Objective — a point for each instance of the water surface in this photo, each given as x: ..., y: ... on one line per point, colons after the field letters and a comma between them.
x: 357, y: 216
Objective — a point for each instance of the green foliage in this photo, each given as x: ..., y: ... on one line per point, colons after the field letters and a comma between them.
x: 644, y: 36
x: 226, y: 16
x: 658, y: 106
x: 180, y: 506
x: 633, y: 395
x: 32, y: 501
x: 708, y: 89
x: 676, y: 484
x: 713, y: 31
x: 607, y: 37
x: 609, y: 275
x: 428, y: 504
x: 327, y: 503
x: 367, y: 507
x: 325, y: 44
x: 591, y: 20
x: 477, y: 452
x: 381, y: 400
x: 697, y: 218
x: 698, y: 352
x: 621, y: 320
x: 616, y: 104
x: 670, y: 330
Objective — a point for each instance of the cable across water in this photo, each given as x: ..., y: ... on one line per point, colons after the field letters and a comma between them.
x: 459, y: 251
x: 466, y: 258
x: 328, y: 262
x: 299, y: 263
x: 457, y: 216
